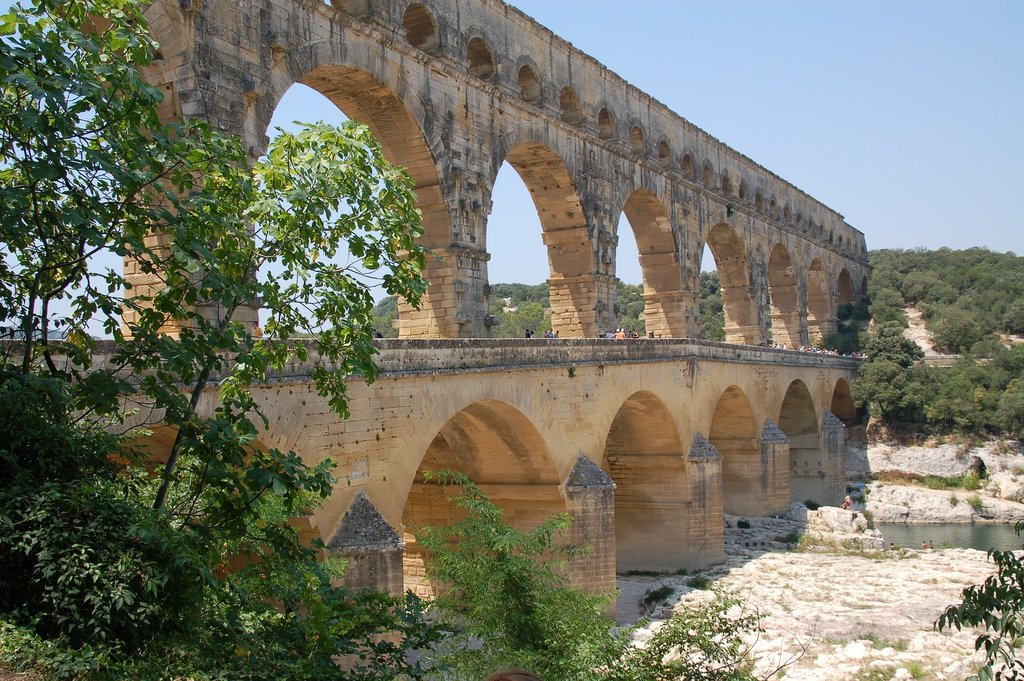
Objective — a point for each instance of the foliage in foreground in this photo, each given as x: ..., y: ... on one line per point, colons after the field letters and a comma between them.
x: 997, y: 606
x: 507, y: 600
x: 124, y: 562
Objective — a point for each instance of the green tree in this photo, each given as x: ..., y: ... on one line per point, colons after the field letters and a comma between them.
x: 997, y: 605
x: 507, y: 600
x: 86, y: 167
x: 712, y: 307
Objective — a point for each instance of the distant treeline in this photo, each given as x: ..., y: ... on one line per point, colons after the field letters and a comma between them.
x: 971, y: 300
x: 518, y: 308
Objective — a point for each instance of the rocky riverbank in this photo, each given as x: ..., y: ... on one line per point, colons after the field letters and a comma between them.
x: 837, y: 607
x: 896, y: 498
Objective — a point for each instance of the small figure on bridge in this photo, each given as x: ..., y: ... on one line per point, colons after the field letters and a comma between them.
x: 257, y: 332
x: 847, y: 503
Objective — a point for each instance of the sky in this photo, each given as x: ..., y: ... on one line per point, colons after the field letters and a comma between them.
x: 905, y: 116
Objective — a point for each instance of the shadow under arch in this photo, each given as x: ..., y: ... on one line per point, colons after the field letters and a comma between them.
x: 741, y: 320
x: 571, y: 259
x: 819, y: 323
x: 842, y: 404
x: 496, y: 446
x: 645, y: 458
x: 799, y: 421
x: 404, y: 126
x: 664, y: 311
x: 844, y: 288
x: 783, y: 297
x: 734, y: 434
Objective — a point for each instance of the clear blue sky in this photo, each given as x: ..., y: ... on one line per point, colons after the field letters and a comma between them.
x: 906, y: 116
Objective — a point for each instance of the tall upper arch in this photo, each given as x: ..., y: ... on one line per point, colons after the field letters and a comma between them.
x: 658, y: 250
x: 783, y: 298
x: 741, y: 319
x: 571, y: 254
x: 819, y: 310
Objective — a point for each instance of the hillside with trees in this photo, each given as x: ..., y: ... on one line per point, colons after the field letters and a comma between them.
x: 972, y: 301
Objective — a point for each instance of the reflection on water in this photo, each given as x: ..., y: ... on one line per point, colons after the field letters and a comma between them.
x: 980, y: 536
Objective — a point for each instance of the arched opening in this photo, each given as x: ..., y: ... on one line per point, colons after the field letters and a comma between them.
x: 420, y: 28
x: 638, y: 140
x: 783, y: 297
x: 657, y: 254
x: 569, y: 103
x: 570, y: 255
x: 842, y: 404
x: 844, y: 288
x: 741, y: 321
x: 758, y: 202
x: 664, y: 154
x: 529, y: 84
x: 708, y: 175
x: 786, y: 214
x: 498, y: 448
x: 605, y: 124
x: 734, y: 434
x: 817, y: 303
x: 726, y: 184
x: 687, y: 166
x: 807, y: 465
x: 362, y: 98
x: 864, y: 287
x: 645, y: 458
x: 481, y: 59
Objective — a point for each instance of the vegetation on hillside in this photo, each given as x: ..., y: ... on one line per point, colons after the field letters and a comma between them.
x: 968, y: 298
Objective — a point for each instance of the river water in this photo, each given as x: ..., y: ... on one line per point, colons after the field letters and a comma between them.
x: 977, y: 536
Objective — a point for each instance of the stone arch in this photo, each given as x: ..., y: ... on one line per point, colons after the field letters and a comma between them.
x: 842, y: 403
x: 659, y: 263
x: 571, y: 256
x: 529, y: 84
x: 818, y: 322
x: 570, y: 107
x: 758, y: 202
x: 498, y: 448
x: 734, y: 434
x: 687, y: 166
x: 844, y: 288
x: 784, y: 300
x: 638, y: 139
x: 405, y: 130
x: 726, y: 184
x: 606, y: 124
x: 741, y: 321
x: 863, y: 287
x: 645, y: 458
x: 481, y: 59
x: 743, y: 191
x: 708, y: 175
x: 799, y: 421
x: 420, y: 28
x: 664, y: 153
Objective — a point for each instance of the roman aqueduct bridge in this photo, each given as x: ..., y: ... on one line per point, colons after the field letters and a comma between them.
x: 645, y: 442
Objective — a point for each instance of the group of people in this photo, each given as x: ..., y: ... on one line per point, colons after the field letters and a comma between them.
x: 547, y: 334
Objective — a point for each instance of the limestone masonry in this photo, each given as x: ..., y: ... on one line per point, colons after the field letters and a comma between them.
x: 680, y: 430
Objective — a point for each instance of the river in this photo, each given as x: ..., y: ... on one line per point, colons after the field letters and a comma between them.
x: 982, y: 536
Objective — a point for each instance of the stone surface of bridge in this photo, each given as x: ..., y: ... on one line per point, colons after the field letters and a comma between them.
x: 453, y: 89
x: 645, y: 442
